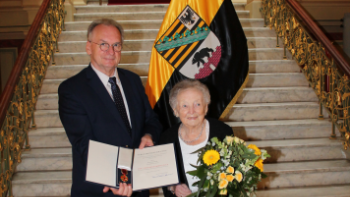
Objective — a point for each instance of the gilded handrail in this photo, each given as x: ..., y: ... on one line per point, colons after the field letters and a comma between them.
x: 19, y: 97
x: 324, y: 67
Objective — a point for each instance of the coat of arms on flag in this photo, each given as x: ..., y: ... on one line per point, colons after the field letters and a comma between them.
x: 190, y: 46
x: 203, y: 40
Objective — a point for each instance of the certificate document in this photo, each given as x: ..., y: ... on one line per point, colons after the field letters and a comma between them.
x: 150, y: 167
x: 154, y: 167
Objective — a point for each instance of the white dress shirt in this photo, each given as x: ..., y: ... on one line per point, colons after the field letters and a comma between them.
x: 189, y: 158
x: 104, y: 79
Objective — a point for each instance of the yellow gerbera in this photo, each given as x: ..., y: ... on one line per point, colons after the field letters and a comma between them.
x: 222, y: 176
x: 239, y: 176
x: 223, y: 184
x: 259, y: 164
x: 230, y: 170
x: 255, y: 148
x: 211, y: 157
x: 230, y: 177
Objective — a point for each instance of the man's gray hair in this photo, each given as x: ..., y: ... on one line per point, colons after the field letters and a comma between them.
x: 107, y: 22
x: 186, y: 84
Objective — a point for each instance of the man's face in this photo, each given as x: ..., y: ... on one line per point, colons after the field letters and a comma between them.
x: 104, y: 61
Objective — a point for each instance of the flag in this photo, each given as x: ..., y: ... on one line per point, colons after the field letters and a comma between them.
x: 203, y: 40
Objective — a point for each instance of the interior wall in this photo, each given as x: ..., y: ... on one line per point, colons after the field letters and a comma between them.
x: 7, y: 60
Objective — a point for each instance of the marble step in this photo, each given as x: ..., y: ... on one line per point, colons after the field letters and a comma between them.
x: 280, y: 175
x: 273, y: 111
x: 138, y: 34
x: 47, y: 159
x: 135, y: 15
x: 258, y: 66
x: 121, y: 8
x: 132, y: 8
x: 306, y: 174
x: 151, y: 24
x: 249, y: 95
x: 50, y: 159
x: 257, y: 130
x: 47, y: 184
x: 147, y: 44
x: 48, y: 138
x: 301, y: 149
x: 282, y: 129
x: 324, y: 191
x: 133, y: 57
x: 255, y: 80
x: 238, y: 113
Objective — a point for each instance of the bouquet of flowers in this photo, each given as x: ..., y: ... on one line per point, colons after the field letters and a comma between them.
x: 228, y: 168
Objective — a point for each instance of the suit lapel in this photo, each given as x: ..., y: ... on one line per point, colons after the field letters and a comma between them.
x: 96, y: 84
x: 129, y: 95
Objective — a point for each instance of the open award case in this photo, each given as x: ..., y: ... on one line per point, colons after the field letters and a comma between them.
x: 147, y: 168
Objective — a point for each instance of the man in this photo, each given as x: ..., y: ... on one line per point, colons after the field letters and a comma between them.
x: 106, y: 104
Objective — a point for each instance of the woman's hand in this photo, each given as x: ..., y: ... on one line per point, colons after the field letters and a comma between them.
x: 182, y: 190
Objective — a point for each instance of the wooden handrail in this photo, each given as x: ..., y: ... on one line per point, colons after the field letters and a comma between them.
x: 21, y: 60
x: 313, y: 28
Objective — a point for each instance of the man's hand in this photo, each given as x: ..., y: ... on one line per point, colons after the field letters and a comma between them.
x: 146, y: 140
x: 124, y: 190
x: 182, y: 190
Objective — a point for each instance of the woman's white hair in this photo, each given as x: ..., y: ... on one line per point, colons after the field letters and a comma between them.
x: 186, y: 84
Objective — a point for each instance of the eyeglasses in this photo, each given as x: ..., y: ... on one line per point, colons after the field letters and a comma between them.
x: 105, y: 46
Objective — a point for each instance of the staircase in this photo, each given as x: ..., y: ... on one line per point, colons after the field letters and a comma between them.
x: 277, y: 110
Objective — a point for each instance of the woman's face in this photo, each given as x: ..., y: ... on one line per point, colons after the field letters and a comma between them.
x: 191, y: 107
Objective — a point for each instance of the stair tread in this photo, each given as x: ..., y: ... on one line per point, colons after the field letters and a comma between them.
x: 137, y: 52
x: 316, y: 142
x: 148, y: 40
x: 42, y: 177
x: 47, y: 152
x: 135, y: 13
x: 271, y: 89
x: 279, y: 168
x: 151, y: 20
x: 250, y: 74
x: 308, y: 166
x: 277, y: 123
x: 324, y: 191
x: 42, y: 112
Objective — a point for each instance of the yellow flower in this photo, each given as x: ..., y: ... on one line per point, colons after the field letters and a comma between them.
x: 259, y: 164
x: 238, y: 140
x: 255, y: 148
x: 223, y: 184
x: 230, y: 170
x: 223, y: 192
x: 230, y: 177
x: 229, y: 139
x: 239, y: 176
x: 211, y: 157
x: 222, y: 176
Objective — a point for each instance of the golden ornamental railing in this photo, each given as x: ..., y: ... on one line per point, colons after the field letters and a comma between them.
x: 19, y: 97
x: 324, y: 67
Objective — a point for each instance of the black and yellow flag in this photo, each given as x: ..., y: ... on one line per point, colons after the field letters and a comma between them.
x: 204, y: 40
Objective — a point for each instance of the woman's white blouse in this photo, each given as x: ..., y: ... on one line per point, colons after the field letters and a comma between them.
x: 189, y: 158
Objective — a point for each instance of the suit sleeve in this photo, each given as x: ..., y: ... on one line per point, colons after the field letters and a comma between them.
x: 75, y: 121
x: 152, y: 124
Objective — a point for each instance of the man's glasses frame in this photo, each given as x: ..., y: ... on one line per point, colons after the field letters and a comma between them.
x: 117, y: 47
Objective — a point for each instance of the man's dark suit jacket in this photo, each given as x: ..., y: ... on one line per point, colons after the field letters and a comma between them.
x: 87, y: 111
x: 216, y: 129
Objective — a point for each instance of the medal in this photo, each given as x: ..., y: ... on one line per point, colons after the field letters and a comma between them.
x: 123, y: 177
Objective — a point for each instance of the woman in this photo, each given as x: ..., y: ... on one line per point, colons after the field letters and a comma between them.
x: 189, y: 100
